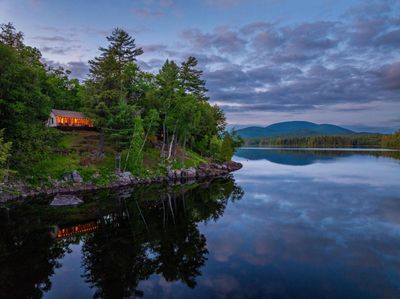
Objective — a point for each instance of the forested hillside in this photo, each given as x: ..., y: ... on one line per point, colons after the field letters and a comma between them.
x: 350, y: 141
x: 293, y: 129
x: 145, y: 122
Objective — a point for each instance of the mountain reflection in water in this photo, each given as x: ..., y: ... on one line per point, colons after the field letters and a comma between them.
x: 136, y: 233
x: 303, y: 224
x: 301, y: 157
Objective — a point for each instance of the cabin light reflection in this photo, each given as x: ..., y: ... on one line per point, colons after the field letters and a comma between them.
x: 57, y: 232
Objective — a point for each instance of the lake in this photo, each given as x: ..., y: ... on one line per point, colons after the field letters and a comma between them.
x: 290, y: 224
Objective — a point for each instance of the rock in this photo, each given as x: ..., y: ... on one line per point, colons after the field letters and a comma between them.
x: 191, y: 172
x: 76, y: 177
x: 203, y: 166
x: 73, y: 177
x: 171, y: 174
x: 65, y: 201
x: 125, y: 177
x: 233, y: 166
x: 217, y: 166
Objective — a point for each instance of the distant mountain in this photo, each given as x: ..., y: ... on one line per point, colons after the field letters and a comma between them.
x: 293, y: 129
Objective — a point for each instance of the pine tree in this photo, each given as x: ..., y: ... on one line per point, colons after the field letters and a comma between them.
x: 190, y: 79
x: 105, y: 88
x: 167, y: 80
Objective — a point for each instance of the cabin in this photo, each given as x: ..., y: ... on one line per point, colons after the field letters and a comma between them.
x: 68, y: 119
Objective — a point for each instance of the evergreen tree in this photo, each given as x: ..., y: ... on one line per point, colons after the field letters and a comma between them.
x: 167, y: 80
x: 105, y: 87
x: 190, y: 79
x: 135, y: 158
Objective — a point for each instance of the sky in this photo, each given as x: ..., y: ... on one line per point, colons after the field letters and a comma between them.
x: 265, y: 61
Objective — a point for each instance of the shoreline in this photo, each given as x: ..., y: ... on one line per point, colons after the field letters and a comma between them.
x: 355, y: 149
x: 125, y: 179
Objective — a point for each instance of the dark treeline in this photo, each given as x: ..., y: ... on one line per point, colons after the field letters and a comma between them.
x: 131, y: 108
x: 348, y: 141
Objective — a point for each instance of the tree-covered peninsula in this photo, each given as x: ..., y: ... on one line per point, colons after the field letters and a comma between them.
x: 145, y: 124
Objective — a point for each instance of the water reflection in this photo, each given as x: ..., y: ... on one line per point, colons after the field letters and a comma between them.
x: 301, y: 157
x: 326, y: 229
x: 28, y: 257
x: 136, y: 233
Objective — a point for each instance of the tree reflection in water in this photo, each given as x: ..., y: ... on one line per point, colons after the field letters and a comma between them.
x: 140, y: 232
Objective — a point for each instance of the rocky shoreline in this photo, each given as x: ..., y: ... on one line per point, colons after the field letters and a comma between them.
x: 123, y: 179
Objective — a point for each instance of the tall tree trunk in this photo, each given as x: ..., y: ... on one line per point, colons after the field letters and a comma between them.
x: 145, y: 137
x: 172, y: 141
x: 130, y: 147
x: 170, y: 146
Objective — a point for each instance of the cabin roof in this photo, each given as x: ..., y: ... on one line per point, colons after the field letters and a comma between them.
x: 67, y: 113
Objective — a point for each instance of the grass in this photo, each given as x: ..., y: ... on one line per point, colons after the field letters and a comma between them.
x: 192, y: 159
x: 76, y: 151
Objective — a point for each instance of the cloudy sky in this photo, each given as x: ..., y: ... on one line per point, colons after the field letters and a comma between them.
x: 327, y: 61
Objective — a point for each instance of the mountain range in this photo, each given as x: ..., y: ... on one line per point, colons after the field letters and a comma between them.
x: 294, y: 129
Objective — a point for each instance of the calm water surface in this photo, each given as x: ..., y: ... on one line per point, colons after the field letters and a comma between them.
x: 289, y: 224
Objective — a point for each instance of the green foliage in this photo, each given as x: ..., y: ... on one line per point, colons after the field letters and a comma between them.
x: 215, y: 146
x: 119, y: 125
x: 192, y: 160
x: 10, y: 37
x: 27, y: 93
x: 151, y: 121
x: 141, y: 115
x: 135, y: 158
x: 5, y: 151
x: 65, y: 93
x: 227, y: 148
x: 109, y: 92
x: 391, y: 141
x: 190, y: 79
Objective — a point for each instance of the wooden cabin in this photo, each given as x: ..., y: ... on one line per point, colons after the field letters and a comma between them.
x: 65, y: 118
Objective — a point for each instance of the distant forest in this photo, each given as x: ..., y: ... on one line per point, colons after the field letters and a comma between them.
x: 348, y: 141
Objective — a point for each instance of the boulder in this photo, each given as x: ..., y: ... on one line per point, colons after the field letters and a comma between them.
x: 233, y: 166
x: 76, y: 177
x: 73, y: 177
x: 191, y: 172
x: 66, y: 200
x: 125, y: 177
